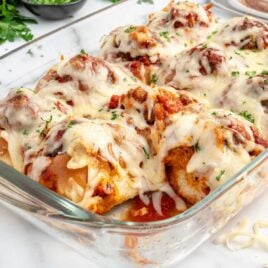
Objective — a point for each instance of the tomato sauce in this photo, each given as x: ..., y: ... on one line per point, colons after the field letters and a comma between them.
x: 139, y: 212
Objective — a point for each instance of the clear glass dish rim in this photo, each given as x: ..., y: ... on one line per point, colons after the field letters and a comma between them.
x: 89, y: 218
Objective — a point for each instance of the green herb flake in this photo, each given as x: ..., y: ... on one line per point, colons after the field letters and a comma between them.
x: 48, y: 120
x: 211, y: 35
x: 18, y: 91
x: 153, y: 79
x: 29, y: 52
x: 130, y: 29
x: 264, y: 72
x: 25, y: 132
x: 214, y: 113
x: 266, y: 82
x: 114, y: 115
x: 237, y: 53
x: 27, y: 147
x: 146, y: 153
x: 145, y: 1
x: 247, y: 116
x: 218, y: 177
x: 83, y: 52
x: 250, y: 73
x: 197, y: 147
x: 235, y: 73
x: 71, y: 124
x: 165, y: 35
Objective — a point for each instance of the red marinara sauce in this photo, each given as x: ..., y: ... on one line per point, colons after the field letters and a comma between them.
x: 139, y: 212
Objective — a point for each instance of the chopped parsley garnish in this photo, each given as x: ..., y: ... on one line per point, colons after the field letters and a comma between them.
x: 235, y: 73
x: 218, y: 177
x: 247, y: 116
x: 29, y: 52
x: 124, y: 79
x: 214, y: 113
x: 130, y: 29
x: 48, y: 120
x: 197, y: 147
x: 146, y: 153
x: 145, y: 1
x: 27, y: 146
x: 153, y: 79
x: 213, y: 33
x: 71, y: 124
x: 264, y: 72
x: 250, y: 73
x: 18, y: 91
x: 266, y: 82
x: 12, y: 23
x: 100, y: 110
x: 237, y: 53
x: 83, y: 52
x: 114, y: 115
x: 165, y: 35
x: 25, y: 132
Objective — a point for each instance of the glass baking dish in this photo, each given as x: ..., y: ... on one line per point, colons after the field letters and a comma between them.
x: 103, y: 239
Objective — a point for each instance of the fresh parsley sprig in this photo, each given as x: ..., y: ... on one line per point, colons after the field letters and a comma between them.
x: 12, y: 23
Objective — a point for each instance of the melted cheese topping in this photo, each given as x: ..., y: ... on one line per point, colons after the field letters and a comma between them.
x: 239, y: 32
x: 132, y: 42
x: 71, y: 111
x: 209, y: 135
x: 240, y: 238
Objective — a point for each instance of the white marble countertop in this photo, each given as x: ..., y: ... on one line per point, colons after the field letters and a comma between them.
x: 22, y: 245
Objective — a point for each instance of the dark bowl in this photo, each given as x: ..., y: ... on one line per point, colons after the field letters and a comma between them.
x: 54, y: 12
